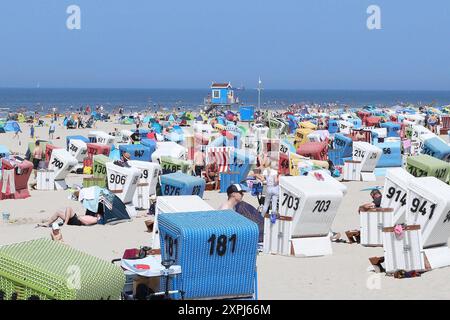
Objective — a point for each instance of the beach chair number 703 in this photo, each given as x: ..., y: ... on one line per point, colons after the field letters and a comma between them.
x: 292, y: 202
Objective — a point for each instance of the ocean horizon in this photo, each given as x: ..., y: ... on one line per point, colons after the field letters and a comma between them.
x: 41, y: 99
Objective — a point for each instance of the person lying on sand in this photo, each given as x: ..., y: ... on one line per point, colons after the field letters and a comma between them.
x: 71, y: 218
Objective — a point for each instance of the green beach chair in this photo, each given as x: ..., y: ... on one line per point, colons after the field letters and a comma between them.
x: 45, y: 269
x: 170, y: 165
x: 427, y: 166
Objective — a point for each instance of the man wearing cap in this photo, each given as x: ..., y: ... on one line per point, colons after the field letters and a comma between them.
x: 235, y: 194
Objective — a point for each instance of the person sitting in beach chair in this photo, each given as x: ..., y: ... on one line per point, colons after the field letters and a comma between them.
x: 212, y: 174
x: 355, y: 235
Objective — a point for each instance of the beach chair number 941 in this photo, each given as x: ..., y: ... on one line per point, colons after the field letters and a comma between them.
x: 419, y: 206
x: 221, y: 247
x: 290, y: 201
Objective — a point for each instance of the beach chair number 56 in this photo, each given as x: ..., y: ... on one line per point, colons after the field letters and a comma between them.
x: 221, y: 247
x: 290, y: 201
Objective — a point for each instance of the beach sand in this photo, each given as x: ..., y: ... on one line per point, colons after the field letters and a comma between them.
x: 343, y: 275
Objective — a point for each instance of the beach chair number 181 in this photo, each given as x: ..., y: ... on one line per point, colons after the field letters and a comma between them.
x: 221, y: 247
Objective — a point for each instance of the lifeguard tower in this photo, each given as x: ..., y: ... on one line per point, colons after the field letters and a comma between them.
x: 222, y: 95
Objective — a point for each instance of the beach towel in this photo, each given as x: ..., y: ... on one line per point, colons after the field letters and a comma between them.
x: 8, y: 184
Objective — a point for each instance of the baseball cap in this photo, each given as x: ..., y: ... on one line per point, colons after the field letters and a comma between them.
x: 55, y: 226
x: 235, y: 188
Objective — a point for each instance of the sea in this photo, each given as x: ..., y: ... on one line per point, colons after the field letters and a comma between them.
x: 44, y: 99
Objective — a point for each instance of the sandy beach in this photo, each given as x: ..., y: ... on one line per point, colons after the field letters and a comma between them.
x: 343, y: 275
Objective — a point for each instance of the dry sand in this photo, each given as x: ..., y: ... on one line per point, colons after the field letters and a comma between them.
x: 343, y: 275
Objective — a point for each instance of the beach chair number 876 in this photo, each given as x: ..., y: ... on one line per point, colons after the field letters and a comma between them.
x: 221, y: 247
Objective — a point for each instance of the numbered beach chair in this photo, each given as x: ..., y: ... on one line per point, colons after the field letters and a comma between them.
x: 174, y: 204
x: 147, y: 183
x: 223, y: 242
x: 427, y: 166
x: 428, y: 206
x: 308, y: 207
x: 123, y: 182
x: 61, y: 163
x: 179, y: 184
x: 48, y: 270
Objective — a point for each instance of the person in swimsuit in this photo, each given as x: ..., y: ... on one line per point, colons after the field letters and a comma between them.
x: 70, y: 218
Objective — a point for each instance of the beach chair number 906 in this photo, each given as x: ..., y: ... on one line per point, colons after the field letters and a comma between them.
x: 221, y: 247
x: 117, y: 179
x: 290, y: 201
x: 57, y: 163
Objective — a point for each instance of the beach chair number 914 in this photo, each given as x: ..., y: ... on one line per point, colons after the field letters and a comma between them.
x: 392, y: 192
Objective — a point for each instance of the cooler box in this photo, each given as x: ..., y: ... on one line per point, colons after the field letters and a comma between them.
x: 122, y: 181
x: 147, y: 183
x: 314, y: 150
x: 62, y: 164
x: 77, y: 149
x: 368, y: 154
x: 68, y: 138
x: 247, y: 113
x: 427, y: 166
x: 428, y: 205
x: 179, y: 184
x: 216, y: 251
x: 344, y: 143
x: 391, y: 154
x: 435, y: 147
x: 333, y: 126
x: 395, y: 193
x: 136, y: 151
x: 171, y: 204
x: 48, y: 270
x: 171, y: 165
x: 393, y: 128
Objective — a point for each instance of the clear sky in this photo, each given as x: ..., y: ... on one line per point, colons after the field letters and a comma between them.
x: 292, y: 44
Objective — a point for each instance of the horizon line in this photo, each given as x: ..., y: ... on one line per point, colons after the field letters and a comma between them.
x: 207, y: 89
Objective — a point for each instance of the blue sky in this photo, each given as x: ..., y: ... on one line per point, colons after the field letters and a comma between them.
x: 292, y: 44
